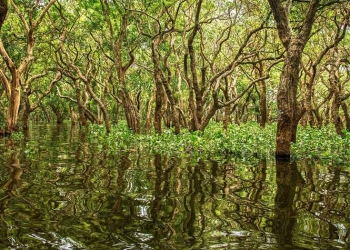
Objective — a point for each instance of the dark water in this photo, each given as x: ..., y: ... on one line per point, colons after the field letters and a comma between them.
x: 61, y: 192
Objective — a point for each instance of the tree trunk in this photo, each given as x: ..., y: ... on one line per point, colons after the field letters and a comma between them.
x: 287, y: 104
x: 73, y: 116
x: 43, y: 108
x: 336, y: 89
x: 131, y: 113
x: 262, y: 104
x: 175, y: 116
x: 346, y: 115
x: 337, y: 121
x: 118, y: 39
x: 294, y: 42
x: 227, y: 117
x: 148, y: 122
x: 259, y: 72
x: 101, y: 105
x: 227, y: 110
x: 59, y: 117
x: 13, y: 108
x: 3, y: 11
x: 56, y: 109
x: 25, y: 110
x: 196, y: 89
x: 158, y: 109
x: 163, y: 90
x: 326, y: 115
x: 319, y: 119
x: 83, y: 120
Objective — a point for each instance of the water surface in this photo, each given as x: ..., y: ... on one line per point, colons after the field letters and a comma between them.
x: 59, y: 191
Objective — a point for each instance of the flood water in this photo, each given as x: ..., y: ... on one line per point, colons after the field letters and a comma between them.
x: 58, y: 191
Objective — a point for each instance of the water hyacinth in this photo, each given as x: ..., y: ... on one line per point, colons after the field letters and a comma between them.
x: 322, y: 144
x: 246, y: 141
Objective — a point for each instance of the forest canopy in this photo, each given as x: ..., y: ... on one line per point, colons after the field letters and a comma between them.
x: 176, y: 64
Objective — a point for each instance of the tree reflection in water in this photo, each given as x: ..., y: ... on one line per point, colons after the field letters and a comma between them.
x: 72, y: 194
x: 8, y: 192
x: 288, y: 178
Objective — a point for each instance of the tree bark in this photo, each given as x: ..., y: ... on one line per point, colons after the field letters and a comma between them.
x: 196, y: 91
x: 58, y: 113
x: 289, y: 112
x: 259, y: 71
x: 336, y: 90
x: 148, y: 118
x: 158, y: 112
x: 262, y: 104
x: 131, y: 113
x: 79, y: 93
x: 13, y: 108
x: 346, y: 115
x: 25, y: 109
x: 227, y: 110
x: 287, y: 119
x: 73, y: 115
x: 3, y: 11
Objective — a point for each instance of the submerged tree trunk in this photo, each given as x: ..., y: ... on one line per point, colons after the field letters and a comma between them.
x: 131, y: 112
x: 58, y: 113
x: 13, y: 108
x: 287, y: 119
x: 294, y: 42
x: 101, y: 105
x: 83, y: 119
x: 73, y: 115
x: 13, y: 94
x: 25, y: 109
x: 148, y: 118
x: 336, y: 90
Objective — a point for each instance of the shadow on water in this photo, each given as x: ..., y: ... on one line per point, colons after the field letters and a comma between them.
x: 59, y: 190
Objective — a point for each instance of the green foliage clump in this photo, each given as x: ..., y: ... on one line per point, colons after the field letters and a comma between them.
x: 17, y: 136
x: 120, y: 138
x: 239, y: 141
x: 248, y: 141
x: 324, y: 144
